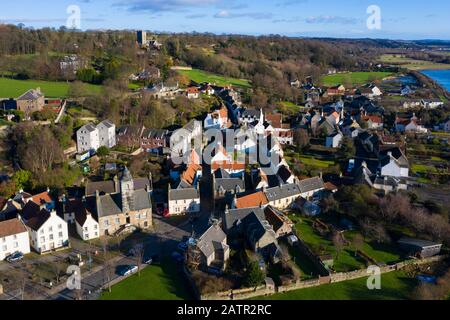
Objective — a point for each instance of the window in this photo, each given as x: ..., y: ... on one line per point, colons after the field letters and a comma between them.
x: 43, y: 248
x: 106, y: 223
x: 60, y: 234
x: 42, y: 239
x: 51, y: 237
x: 3, y: 240
x: 117, y: 220
x: 15, y: 237
x: 96, y: 234
x: 85, y: 228
x: 42, y: 231
x: 50, y: 229
x: 60, y: 226
x: 16, y: 244
x: 95, y: 227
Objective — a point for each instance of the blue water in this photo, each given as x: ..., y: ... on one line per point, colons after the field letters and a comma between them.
x: 440, y: 76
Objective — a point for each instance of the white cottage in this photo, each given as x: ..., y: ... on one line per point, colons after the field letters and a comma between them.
x: 48, y: 231
x: 13, y: 238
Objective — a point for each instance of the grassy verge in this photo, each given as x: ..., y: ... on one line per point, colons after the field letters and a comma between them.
x: 200, y: 76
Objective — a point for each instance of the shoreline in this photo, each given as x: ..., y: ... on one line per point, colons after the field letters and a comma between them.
x: 436, y: 81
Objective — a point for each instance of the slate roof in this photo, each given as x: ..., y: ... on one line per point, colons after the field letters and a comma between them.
x: 229, y: 184
x: 231, y: 217
x: 31, y: 94
x: 108, y: 123
x: 89, y: 127
x: 310, y: 184
x: 103, y: 187
x: 141, y: 201
x: 109, y: 205
x: 221, y: 174
x: 211, y: 240
x: 282, y: 192
x: 36, y: 222
x: 184, y: 194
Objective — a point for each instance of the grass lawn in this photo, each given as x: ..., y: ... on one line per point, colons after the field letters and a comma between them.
x: 356, y: 78
x: 11, y: 88
x: 421, y: 168
x: 200, y: 76
x: 394, y: 286
x: 346, y: 261
x: 156, y: 282
x: 413, y: 64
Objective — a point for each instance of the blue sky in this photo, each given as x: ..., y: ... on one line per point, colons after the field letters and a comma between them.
x: 401, y: 19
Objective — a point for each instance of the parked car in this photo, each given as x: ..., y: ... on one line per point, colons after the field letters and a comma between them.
x: 127, y: 270
x: 16, y: 256
x: 178, y: 257
x: 183, y: 246
x: 147, y: 260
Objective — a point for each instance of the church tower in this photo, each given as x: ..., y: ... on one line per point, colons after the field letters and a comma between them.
x: 126, y: 190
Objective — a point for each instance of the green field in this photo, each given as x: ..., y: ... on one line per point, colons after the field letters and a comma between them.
x: 200, y: 76
x: 412, y: 64
x: 394, y: 286
x: 356, y: 78
x: 10, y: 88
x: 156, y: 282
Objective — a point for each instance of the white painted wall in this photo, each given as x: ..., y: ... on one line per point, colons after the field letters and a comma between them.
x: 17, y: 242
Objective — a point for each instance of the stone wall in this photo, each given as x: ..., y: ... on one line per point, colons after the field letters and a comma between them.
x: 248, y: 293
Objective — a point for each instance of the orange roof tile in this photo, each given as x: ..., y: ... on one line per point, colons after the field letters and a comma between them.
x: 41, y: 198
x: 252, y: 200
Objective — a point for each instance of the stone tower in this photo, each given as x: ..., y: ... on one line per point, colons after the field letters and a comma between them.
x: 126, y: 190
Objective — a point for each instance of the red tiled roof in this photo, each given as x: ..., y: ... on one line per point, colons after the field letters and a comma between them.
x: 252, y: 200
x: 11, y: 227
x: 41, y: 198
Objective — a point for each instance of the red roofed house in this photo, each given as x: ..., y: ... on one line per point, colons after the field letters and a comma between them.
x: 192, y: 93
x: 253, y: 200
x: 13, y: 238
x: 373, y: 122
x: 338, y: 90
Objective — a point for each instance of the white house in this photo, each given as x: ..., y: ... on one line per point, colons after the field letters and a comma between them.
x: 217, y: 119
x: 392, y: 167
x: 107, y: 134
x: 183, y: 201
x: 90, y: 137
x: 13, y: 238
x: 48, y: 231
x: 334, y: 140
x: 309, y: 187
x: 87, y: 227
x: 431, y: 104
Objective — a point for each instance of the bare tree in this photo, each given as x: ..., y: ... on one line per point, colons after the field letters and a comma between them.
x: 358, y: 242
x: 107, y: 265
x: 338, y: 243
x: 139, y: 251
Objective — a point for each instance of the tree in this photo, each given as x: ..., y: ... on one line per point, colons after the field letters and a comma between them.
x: 301, y: 138
x: 338, y: 243
x: 139, y: 251
x: 254, y: 276
x: 358, y: 242
x: 103, y: 151
x: 348, y: 149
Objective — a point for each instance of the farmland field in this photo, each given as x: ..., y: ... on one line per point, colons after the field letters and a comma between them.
x: 10, y: 88
x: 200, y: 76
x: 356, y: 78
x: 412, y: 64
